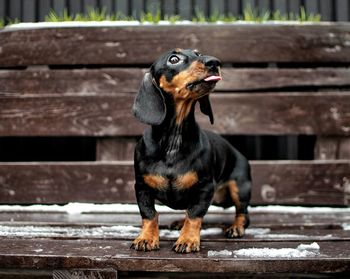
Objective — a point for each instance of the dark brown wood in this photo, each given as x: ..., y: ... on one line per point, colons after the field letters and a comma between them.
x: 233, y: 43
x: 260, y: 218
x: 84, y: 274
x: 125, y: 80
x: 277, y: 78
x: 334, y: 257
x: 91, y: 81
x: 241, y: 113
x: 115, y: 149
x: 275, y: 182
x: 327, y: 148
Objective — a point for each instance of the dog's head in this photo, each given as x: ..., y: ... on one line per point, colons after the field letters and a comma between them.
x: 184, y: 75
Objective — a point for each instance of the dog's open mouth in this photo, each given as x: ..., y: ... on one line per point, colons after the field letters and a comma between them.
x: 209, y: 80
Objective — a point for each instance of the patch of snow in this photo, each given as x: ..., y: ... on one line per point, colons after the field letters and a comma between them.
x: 80, y: 208
x: 346, y: 226
x: 257, y: 231
x: 222, y: 253
x: 120, y: 231
x: 108, y: 23
x: 302, y: 251
x: 313, y: 246
x: 292, y: 236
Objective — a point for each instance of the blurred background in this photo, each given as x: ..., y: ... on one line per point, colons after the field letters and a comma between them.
x: 36, y: 10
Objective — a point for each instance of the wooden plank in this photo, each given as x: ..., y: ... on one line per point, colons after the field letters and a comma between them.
x: 185, y: 9
x: 234, y: 43
x: 107, y: 5
x: 233, y: 7
x: 122, y: 80
x: 84, y: 274
x: 59, y: 6
x: 275, y: 182
x: 209, y: 233
x: 342, y: 10
x: 334, y: 257
x: 29, y: 10
x: 332, y: 148
x: 115, y: 149
x: 326, y: 10
x: 15, y: 10
x: 137, y: 8
x: 306, y: 222
x: 127, y: 80
x: 2, y: 9
x: 75, y: 7
x: 44, y: 8
x: 110, y: 114
x: 311, y: 6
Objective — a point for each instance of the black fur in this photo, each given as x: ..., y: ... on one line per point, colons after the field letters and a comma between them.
x: 170, y: 149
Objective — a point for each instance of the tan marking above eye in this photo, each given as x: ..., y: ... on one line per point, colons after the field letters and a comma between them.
x: 156, y: 181
x: 186, y: 181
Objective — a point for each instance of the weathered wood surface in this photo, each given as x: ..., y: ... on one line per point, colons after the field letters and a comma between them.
x: 84, y: 274
x: 328, y: 148
x: 125, y: 80
x: 61, y: 254
x: 241, y: 113
x: 275, y: 182
x: 260, y: 218
x: 233, y: 43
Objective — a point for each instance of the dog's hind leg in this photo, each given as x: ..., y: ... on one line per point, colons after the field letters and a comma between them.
x: 239, y: 190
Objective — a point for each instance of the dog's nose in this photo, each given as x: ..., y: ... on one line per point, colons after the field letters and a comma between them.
x: 212, y: 62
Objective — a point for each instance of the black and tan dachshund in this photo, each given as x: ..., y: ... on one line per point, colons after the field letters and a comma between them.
x: 176, y: 162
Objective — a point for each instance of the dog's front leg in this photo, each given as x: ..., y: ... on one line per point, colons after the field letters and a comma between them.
x: 148, y: 239
x: 189, y: 239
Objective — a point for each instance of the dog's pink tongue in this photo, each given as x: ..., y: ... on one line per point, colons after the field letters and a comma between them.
x: 213, y: 78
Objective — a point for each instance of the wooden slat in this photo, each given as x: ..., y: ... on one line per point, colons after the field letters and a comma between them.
x: 241, y: 113
x: 56, y: 254
x: 124, y: 80
x: 115, y: 149
x: 307, y: 223
x: 275, y: 182
x: 233, y: 43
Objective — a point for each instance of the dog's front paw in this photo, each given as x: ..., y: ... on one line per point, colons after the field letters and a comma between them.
x: 235, y: 231
x: 142, y: 243
x: 186, y: 245
x: 238, y: 227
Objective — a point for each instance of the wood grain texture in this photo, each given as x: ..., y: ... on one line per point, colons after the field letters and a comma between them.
x: 275, y: 182
x: 84, y: 274
x: 233, y: 43
x: 241, y: 113
x: 125, y: 80
x: 62, y: 254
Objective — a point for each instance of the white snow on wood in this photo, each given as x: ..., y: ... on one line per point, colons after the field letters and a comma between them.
x: 120, y: 231
x: 346, y: 226
x: 292, y: 236
x: 301, y: 251
x: 107, y: 23
x: 80, y: 208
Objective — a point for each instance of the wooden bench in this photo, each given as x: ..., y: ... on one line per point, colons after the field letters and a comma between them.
x: 79, y: 83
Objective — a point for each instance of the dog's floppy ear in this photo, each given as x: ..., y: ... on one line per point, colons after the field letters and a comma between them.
x: 205, y: 107
x: 149, y: 105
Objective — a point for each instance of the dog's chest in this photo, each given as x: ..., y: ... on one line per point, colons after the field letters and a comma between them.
x: 179, y: 182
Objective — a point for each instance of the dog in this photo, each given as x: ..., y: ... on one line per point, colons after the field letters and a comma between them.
x: 176, y: 162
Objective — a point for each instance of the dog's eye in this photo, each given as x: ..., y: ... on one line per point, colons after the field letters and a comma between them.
x: 174, y: 59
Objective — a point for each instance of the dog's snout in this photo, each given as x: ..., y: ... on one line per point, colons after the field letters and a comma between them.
x: 212, y: 63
